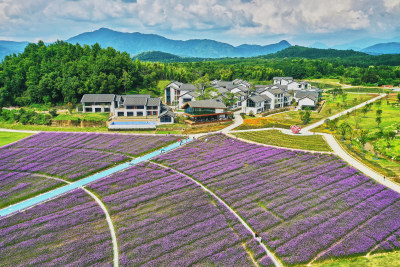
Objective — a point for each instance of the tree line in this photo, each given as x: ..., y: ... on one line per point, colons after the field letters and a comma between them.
x: 60, y: 73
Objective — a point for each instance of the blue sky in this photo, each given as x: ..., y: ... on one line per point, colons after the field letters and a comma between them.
x: 234, y: 21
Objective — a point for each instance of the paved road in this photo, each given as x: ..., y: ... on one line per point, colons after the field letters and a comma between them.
x: 64, y: 189
x: 269, y: 253
x: 314, y: 125
x: 237, y: 121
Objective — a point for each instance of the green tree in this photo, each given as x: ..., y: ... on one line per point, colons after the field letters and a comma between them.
x: 389, y: 136
x: 363, y: 138
x: 378, y: 120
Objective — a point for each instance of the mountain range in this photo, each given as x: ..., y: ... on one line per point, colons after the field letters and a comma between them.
x: 136, y: 43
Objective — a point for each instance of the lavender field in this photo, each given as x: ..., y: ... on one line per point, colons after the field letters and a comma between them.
x: 75, y: 155
x: 307, y: 207
x: 164, y: 219
x: 17, y: 186
x: 70, y: 230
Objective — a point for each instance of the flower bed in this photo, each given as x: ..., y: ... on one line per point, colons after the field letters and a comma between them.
x: 75, y: 155
x: 70, y: 230
x: 17, y: 186
x: 164, y: 219
x: 132, y: 145
x: 306, y: 206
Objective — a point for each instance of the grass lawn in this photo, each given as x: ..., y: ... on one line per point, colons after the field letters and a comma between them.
x: 391, y: 259
x: 277, y: 138
x: 6, y: 137
x: 366, y: 90
x: 382, y: 161
x: 336, y: 104
x: 83, y: 117
x: 281, y: 120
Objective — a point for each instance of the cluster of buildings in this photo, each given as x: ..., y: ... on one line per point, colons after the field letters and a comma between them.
x: 190, y: 99
x: 282, y: 93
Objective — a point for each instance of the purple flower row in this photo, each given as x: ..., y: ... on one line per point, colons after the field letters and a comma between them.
x: 127, y: 144
x: 304, y: 205
x: 163, y: 218
x: 16, y: 186
x: 69, y: 230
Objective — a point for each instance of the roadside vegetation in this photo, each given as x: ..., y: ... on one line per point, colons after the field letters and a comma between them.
x: 277, y: 138
x: 372, y: 134
x: 280, y: 120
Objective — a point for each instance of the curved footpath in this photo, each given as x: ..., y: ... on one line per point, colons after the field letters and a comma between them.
x: 269, y: 253
x: 80, y: 183
x: 110, y: 226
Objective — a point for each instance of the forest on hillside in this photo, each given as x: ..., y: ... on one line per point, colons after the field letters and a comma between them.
x: 61, y: 72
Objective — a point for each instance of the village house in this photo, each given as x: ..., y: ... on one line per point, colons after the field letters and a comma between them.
x: 134, y: 106
x: 177, y: 93
x: 306, y: 99
x: 206, y: 111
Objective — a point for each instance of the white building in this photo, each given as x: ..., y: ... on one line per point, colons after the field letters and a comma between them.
x: 177, y: 93
x: 307, y: 99
x: 256, y: 103
x: 282, y: 80
x: 128, y: 106
x: 297, y: 86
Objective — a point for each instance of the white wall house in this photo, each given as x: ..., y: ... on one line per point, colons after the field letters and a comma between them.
x: 128, y: 106
x: 177, y: 90
x: 282, y: 80
x: 100, y: 103
x: 296, y: 86
x: 277, y: 97
x: 256, y: 103
x: 138, y: 106
x: 306, y: 99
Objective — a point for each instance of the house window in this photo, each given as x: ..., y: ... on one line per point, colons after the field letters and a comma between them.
x: 154, y: 113
x: 165, y: 119
x: 106, y: 109
x: 88, y: 109
x: 186, y: 100
x: 120, y: 114
x: 129, y: 114
x: 140, y: 113
x: 129, y: 107
x: 140, y: 107
x: 148, y: 113
x: 250, y: 103
x: 97, y: 110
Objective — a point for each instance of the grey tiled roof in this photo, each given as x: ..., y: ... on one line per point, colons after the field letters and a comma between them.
x: 98, y: 98
x: 135, y: 101
x: 209, y: 103
x: 188, y: 87
x: 256, y: 98
x: 310, y: 94
x: 168, y: 113
x: 283, y: 78
x: 275, y: 91
x: 153, y: 101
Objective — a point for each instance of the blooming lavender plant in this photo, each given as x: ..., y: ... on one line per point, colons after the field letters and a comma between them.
x: 305, y: 206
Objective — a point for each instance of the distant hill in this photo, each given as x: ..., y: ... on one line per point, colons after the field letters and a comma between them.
x: 319, y: 45
x: 136, y: 43
x: 157, y: 56
x: 10, y: 47
x: 313, y: 53
x: 383, y: 48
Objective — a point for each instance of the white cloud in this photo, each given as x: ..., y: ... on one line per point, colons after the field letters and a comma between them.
x: 197, y: 18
